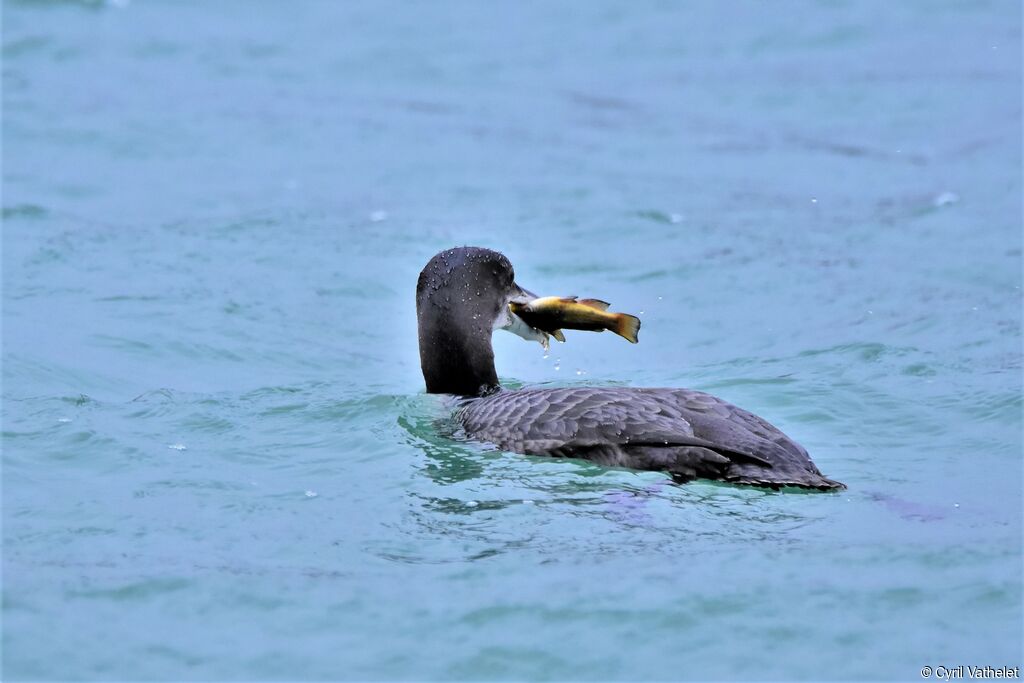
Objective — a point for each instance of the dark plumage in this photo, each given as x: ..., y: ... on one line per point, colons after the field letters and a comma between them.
x: 688, y: 434
x: 463, y: 294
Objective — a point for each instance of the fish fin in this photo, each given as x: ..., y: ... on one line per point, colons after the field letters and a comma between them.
x: 594, y: 303
x: 557, y: 334
x: 627, y: 326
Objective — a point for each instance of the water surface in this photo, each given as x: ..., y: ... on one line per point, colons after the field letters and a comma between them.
x: 218, y: 459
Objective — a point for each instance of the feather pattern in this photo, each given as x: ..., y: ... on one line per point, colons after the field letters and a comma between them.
x: 687, y: 433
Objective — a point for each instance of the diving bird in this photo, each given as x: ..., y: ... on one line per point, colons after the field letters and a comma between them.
x: 463, y: 295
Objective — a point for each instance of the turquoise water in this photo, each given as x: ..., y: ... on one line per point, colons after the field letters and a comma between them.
x: 218, y: 459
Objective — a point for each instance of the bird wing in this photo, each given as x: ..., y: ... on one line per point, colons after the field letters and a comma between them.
x: 687, y: 433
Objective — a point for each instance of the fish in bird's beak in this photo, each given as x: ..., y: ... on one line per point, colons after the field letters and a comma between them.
x: 552, y: 313
x: 516, y: 325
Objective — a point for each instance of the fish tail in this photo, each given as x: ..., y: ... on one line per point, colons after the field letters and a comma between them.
x: 627, y: 326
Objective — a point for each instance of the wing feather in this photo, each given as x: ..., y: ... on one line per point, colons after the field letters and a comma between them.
x: 687, y: 433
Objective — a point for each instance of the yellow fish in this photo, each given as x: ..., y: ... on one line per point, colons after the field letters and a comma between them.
x: 553, y: 313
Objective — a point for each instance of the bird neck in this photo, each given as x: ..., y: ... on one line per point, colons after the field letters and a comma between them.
x: 456, y: 361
